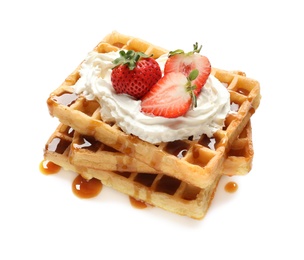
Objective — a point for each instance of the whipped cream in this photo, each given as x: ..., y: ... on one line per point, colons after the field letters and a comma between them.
x: 213, y: 104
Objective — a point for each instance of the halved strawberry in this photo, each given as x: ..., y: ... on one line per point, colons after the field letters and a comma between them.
x: 172, y: 96
x: 134, y: 73
x: 179, y: 61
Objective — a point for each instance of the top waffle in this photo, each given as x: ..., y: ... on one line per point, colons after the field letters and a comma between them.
x: 200, y: 162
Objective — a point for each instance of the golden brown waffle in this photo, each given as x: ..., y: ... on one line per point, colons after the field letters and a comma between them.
x: 200, y: 164
x: 88, y: 152
x: 160, y: 190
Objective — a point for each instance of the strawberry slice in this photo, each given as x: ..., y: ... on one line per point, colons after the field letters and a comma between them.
x: 179, y: 61
x: 172, y: 96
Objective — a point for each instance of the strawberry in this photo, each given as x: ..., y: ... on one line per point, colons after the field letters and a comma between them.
x: 179, y: 61
x: 172, y: 96
x: 134, y: 73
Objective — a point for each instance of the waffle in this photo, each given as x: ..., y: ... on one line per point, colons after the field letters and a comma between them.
x: 86, y: 151
x: 63, y: 148
x: 200, y: 164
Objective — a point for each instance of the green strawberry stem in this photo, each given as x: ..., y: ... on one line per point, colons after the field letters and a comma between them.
x: 129, y: 58
x: 196, y: 49
x: 190, y: 88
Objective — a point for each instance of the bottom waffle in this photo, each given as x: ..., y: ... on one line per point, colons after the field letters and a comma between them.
x: 153, y: 188
x: 88, y: 152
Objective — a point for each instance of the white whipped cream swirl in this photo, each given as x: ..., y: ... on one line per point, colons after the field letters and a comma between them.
x: 213, y: 104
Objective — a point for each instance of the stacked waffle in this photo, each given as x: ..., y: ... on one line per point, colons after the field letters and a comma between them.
x: 179, y: 176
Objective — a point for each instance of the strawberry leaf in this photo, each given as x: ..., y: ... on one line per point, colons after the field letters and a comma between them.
x: 129, y: 58
x: 179, y: 51
x: 190, y: 88
x: 193, y: 74
x: 196, y: 49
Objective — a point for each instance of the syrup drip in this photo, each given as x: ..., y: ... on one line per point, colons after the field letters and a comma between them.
x: 46, y: 167
x: 137, y: 203
x: 231, y: 187
x: 85, y: 189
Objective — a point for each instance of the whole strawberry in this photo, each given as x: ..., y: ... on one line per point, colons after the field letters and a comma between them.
x: 134, y: 73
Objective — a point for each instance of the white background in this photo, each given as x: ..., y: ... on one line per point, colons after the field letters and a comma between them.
x: 43, y: 41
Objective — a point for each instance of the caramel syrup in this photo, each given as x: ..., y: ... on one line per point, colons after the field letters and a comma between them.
x: 243, y: 91
x: 137, y: 203
x: 85, y: 189
x: 87, y: 142
x: 177, y: 148
x: 47, y: 167
x: 231, y: 187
